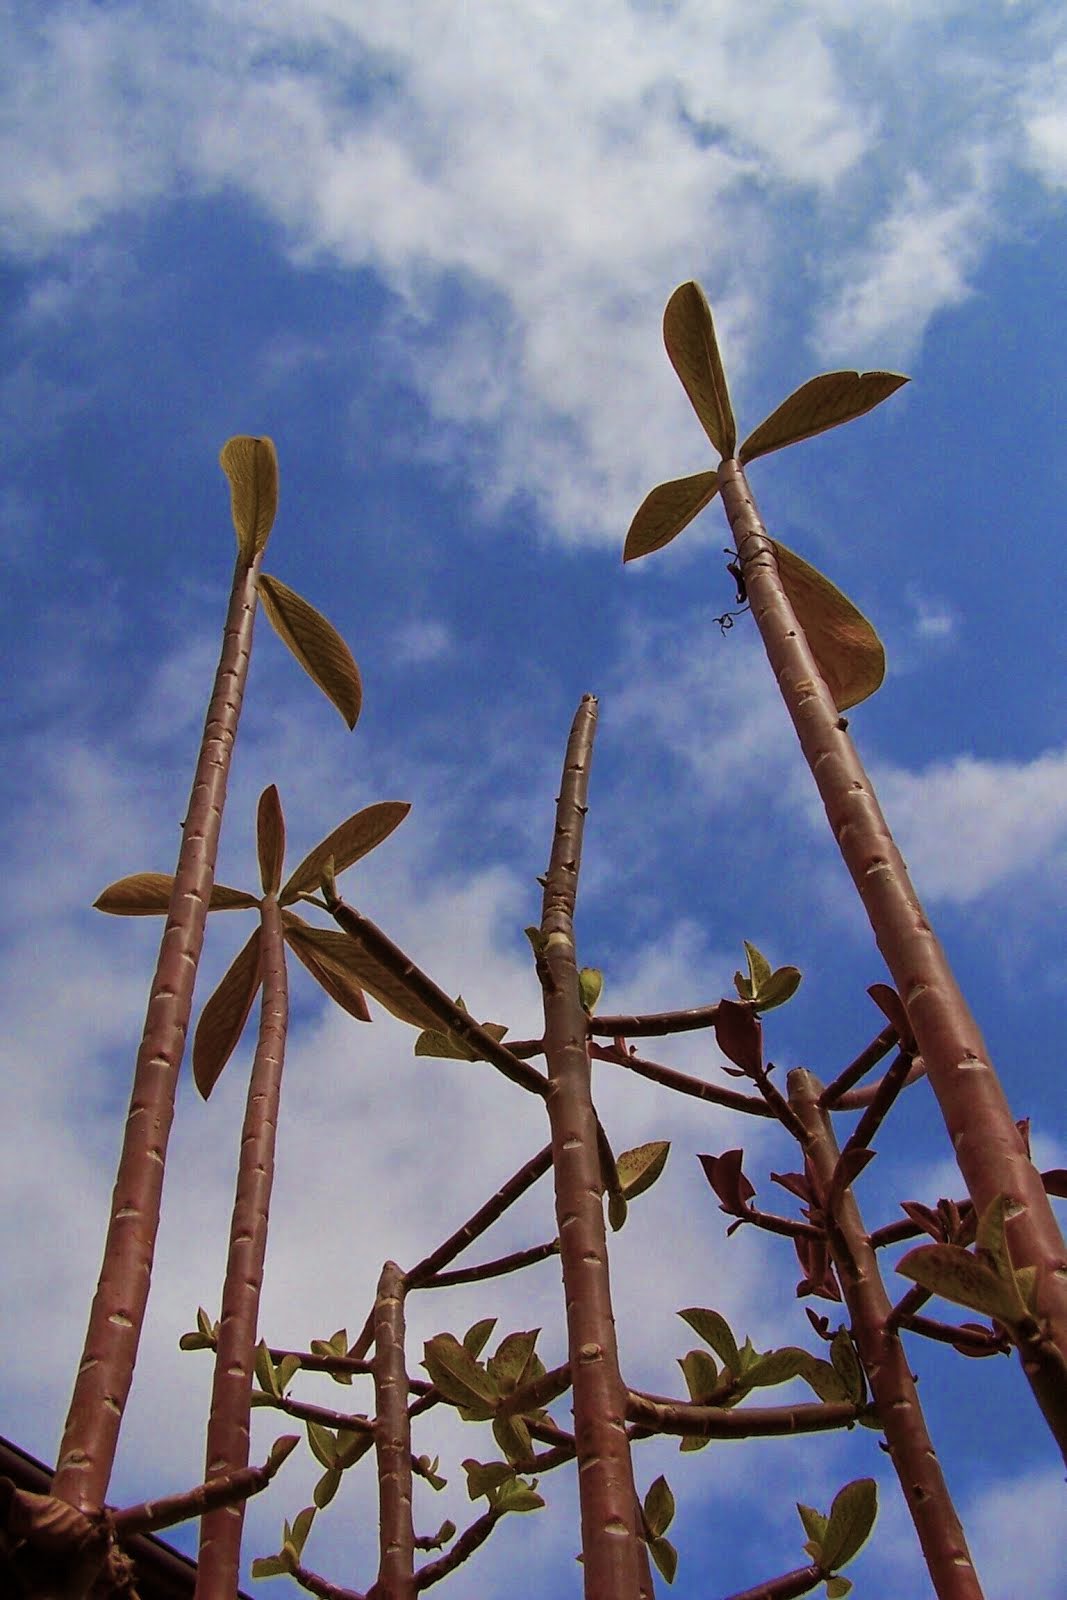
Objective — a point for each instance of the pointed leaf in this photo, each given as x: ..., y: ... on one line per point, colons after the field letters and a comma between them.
x: 821, y: 403
x: 446, y: 1047
x: 476, y: 1336
x: 666, y: 510
x: 147, y: 894
x: 326, y: 1487
x: 639, y: 1168
x: 990, y: 1237
x: 665, y: 1556
x: 846, y: 1363
x: 323, y: 1444
x: 850, y: 1522
x: 727, y: 1179
x: 347, y: 959
x: 617, y: 1210
x: 590, y: 988
x: 266, y: 1376
x: 483, y: 1479
x: 252, y: 468
x: 759, y: 968
x: 659, y: 1507
x: 353, y: 839
x: 823, y: 1380
x: 891, y: 1006
x: 270, y: 839
x: 814, y: 1523
x: 271, y: 1567
x: 517, y: 1495
x: 701, y: 1376
x: 223, y: 1018
x: 315, y: 643
x: 454, y: 1371
x: 739, y: 1036
x: 301, y: 1528
x: 777, y: 1366
x: 966, y: 1280
x: 847, y: 650
x: 325, y: 954
x: 781, y: 986
x: 508, y: 1366
x: 513, y: 1437
x: 715, y: 1330
x: 689, y: 335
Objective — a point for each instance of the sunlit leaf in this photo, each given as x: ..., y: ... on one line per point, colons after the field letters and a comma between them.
x: 659, y: 1507
x: 814, y: 1523
x: 323, y: 1444
x: 850, y: 1522
x: 223, y: 1018
x: 508, y: 1365
x: 990, y: 1236
x: 847, y: 650
x: 777, y: 1366
x: 837, y: 1587
x: 316, y: 644
x: 252, y: 467
x: 639, y: 1168
x: 517, y: 1495
x: 454, y: 1371
x: 477, y: 1336
x: 590, y: 988
x: 349, y: 842
x: 147, y: 894
x: 966, y: 1280
x: 485, y: 1478
x: 666, y: 510
x: 271, y: 1567
x: 270, y: 839
x: 715, y: 1331
x: 689, y: 335
x: 846, y: 1364
x: 821, y: 403
x: 701, y: 1376
x: 781, y: 986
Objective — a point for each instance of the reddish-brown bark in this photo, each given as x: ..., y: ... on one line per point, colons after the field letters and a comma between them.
x: 228, y: 1424
x: 392, y: 1442
x: 896, y: 1399
x: 615, y: 1560
x: 106, y: 1369
x: 989, y: 1147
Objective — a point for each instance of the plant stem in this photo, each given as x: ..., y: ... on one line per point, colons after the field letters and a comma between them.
x: 483, y: 1218
x: 87, y: 1451
x: 218, y: 1568
x: 989, y: 1147
x: 658, y: 1414
x: 392, y: 1442
x: 911, y: 1449
x: 615, y: 1561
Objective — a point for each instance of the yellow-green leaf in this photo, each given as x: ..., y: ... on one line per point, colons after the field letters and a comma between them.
x: 665, y: 1556
x: 689, y: 335
x: 349, y: 842
x: 639, y: 1168
x: 223, y: 1018
x: 454, y: 1371
x: 821, y: 403
x: 666, y: 510
x: 252, y: 467
x: 270, y: 839
x: 847, y: 650
x: 147, y: 894
x: 326, y: 956
x: 957, y: 1275
x: 701, y: 1376
x: 850, y: 1522
x: 315, y: 643
x: 659, y: 1507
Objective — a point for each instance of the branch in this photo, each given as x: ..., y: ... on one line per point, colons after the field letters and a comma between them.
x: 802, y: 1580
x: 506, y: 1195
x: 681, y: 1081
x: 654, y: 1024
x: 658, y: 1414
x: 876, y: 1051
x: 152, y: 1515
x: 885, y: 1092
x: 468, y: 1541
x: 493, y: 1269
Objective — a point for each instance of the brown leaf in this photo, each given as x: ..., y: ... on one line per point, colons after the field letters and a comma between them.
x: 324, y: 954
x: 821, y: 403
x: 270, y: 839
x: 847, y: 650
x: 689, y: 335
x: 315, y: 643
x: 347, y: 843
x: 223, y: 1018
x: 252, y: 468
x: 666, y: 510
x: 147, y: 894
x: 739, y: 1036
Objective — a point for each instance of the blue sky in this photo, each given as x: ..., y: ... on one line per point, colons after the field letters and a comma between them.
x: 427, y: 250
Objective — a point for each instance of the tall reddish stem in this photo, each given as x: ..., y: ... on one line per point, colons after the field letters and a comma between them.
x: 392, y: 1442
x: 219, y: 1562
x: 615, y: 1562
x: 105, y: 1373
x: 989, y: 1148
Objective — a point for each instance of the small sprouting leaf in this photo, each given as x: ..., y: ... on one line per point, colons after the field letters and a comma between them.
x: 147, y: 894
x: 821, y: 403
x: 266, y: 1376
x: 513, y: 1437
x: 759, y: 968
x: 715, y: 1331
x: 846, y: 1363
x: 781, y: 986
x: 850, y: 1522
x: 517, y: 1495
x: 617, y: 1210
x: 323, y: 1444
x: 223, y: 1018
x: 739, y: 1036
x: 701, y: 1376
x: 252, y: 467
x: 326, y: 1487
x: 837, y: 1587
x: 847, y: 650
x: 301, y: 1529
x: 271, y: 1567
x: 208, y: 1328
x: 777, y: 1366
x: 823, y: 1380
x: 891, y: 1006
x: 487, y: 1478
x: 353, y: 839
x: 990, y: 1237
x: 287, y: 1368
x: 195, y: 1341
x: 281, y: 1450
x: 665, y: 1556
x: 965, y: 1279
x: 659, y: 1507
x: 689, y: 335
x: 327, y: 956
x: 728, y: 1180
x: 316, y: 644
x: 447, y: 1047
x: 814, y: 1523
x: 639, y: 1168
x: 590, y: 988
x: 454, y: 1371
x: 477, y: 1336
x: 270, y: 839
x: 666, y: 510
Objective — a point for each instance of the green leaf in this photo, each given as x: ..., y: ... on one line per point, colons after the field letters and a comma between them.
x: 509, y: 1366
x: 301, y: 1528
x: 689, y: 335
x: 266, y: 1376
x: 990, y: 1236
x: 147, y: 894
x: 590, y: 988
x: 777, y: 1366
x: 281, y: 1450
x: 485, y: 1479
x: 251, y: 465
x: 345, y: 958
x: 846, y: 1363
x: 517, y: 1495
x: 814, y: 1523
x: 821, y: 403
x: 966, y: 1280
x: 659, y: 1507
x: 847, y: 650
x: 287, y: 1369
x: 821, y: 1377
x: 715, y: 1331
x: 349, y: 842
x: 837, y: 1588
x: 693, y: 1442
x: 666, y: 510
x: 617, y: 1210
x: 323, y: 1444
x: 270, y: 839
x: 665, y: 1556
x: 701, y: 1376
x: 513, y: 1437
x: 639, y: 1168
x: 271, y: 1567
x: 315, y: 643
x: 477, y: 1336
x: 759, y: 968
x: 223, y: 1018
x: 326, y: 1487
x: 850, y: 1522
x: 781, y: 986
x: 447, y: 1047
x: 353, y: 1444
x: 454, y: 1371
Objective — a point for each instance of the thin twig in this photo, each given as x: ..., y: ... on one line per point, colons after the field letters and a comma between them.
x: 681, y: 1081
x: 482, y: 1219
x: 876, y: 1051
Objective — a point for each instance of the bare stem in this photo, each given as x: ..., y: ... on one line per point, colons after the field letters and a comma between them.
x: 896, y: 1400
x: 102, y: 1385
x: 989, y: 1147
x: 218, y: 1491
x: 849, y: 1076
x: 681, y: 1418
x: 218, y: 1568
x: 681, y: 1082
x: 482, y: 1219
x: 615, y: 1561
x: 802, y: 1580
x: 515, y: 1262
x: 392, y: 1442
x: 468, y: 1541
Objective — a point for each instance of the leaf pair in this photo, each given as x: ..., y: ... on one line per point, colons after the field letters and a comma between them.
x: 288, y: 1558
x: 478, y: 1389
x: 336, y: 1451
x: 763, y: 988
x: 657, y: 1514
x: 251, y: 465
x: 986, y: 1281
x: 501, y: 1486
x: 834, y: 1540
